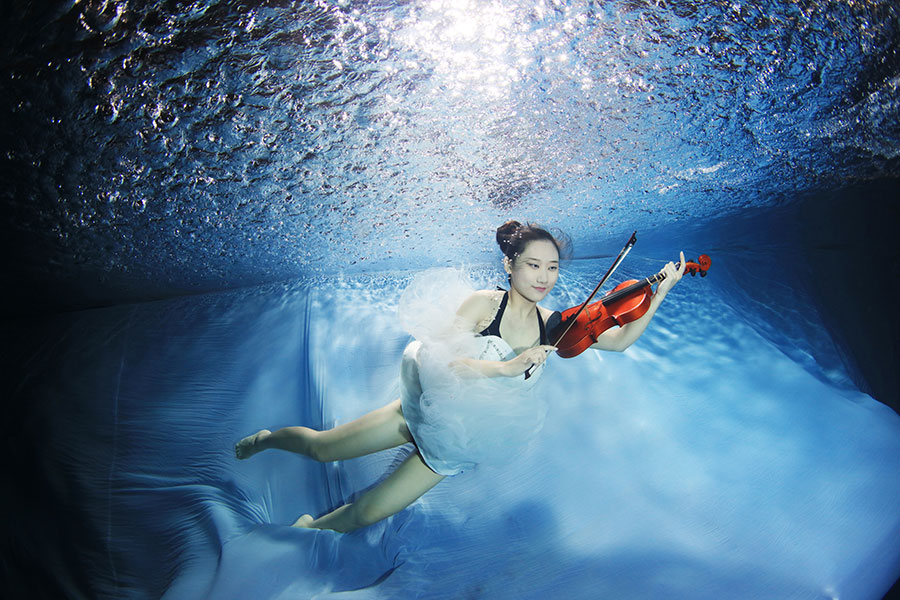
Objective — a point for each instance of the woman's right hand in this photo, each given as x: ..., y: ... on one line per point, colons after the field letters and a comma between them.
x: 529, y: 358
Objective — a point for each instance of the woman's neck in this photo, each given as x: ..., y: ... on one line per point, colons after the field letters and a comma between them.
x: 519, y: 305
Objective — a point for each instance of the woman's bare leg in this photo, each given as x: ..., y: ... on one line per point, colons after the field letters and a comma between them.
x: 380, y: 429
x: 402, y: 487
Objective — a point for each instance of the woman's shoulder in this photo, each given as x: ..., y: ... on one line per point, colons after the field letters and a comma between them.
x: 488, y: 295
x: 480, y: 304
x: 484, y: 299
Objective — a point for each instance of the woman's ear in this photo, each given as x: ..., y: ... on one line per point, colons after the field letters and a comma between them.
x: 507, y: 265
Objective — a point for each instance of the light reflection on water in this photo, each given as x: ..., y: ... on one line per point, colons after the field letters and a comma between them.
x: 227, y: 145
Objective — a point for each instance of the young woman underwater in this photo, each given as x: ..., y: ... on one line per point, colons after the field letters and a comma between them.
x: 464, y: 397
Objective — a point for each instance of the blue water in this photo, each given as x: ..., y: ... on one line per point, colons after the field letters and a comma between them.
x: 701, y: 463
x: 210, y: 211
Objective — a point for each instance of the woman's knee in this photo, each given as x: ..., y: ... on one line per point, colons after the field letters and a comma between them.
x: 367, y: 513
x: 317, y: 447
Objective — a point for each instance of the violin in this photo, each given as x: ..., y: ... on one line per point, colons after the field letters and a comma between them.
x: 629, y: 301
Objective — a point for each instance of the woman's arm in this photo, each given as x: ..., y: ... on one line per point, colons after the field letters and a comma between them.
x: 476, y: 309
x: 617, y: 339
x: 502, y: 368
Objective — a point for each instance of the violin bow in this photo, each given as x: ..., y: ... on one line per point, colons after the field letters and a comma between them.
x: 624, y: 252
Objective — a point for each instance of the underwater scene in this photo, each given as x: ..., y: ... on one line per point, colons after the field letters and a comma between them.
x: 213, y: 212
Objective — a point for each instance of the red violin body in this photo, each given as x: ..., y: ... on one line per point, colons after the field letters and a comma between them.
x: 627, y: 302
x: 600, y: 316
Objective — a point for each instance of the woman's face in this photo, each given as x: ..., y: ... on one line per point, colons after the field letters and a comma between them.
x: 533, y: 273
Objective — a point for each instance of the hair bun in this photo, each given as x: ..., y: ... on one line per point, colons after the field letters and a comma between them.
x: 513, y: 237
x: 505, y: 235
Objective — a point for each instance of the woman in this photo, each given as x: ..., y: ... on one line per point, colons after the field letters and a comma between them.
x: 458, y: 386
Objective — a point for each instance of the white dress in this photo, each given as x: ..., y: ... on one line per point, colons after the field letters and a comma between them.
x: 460, y: 419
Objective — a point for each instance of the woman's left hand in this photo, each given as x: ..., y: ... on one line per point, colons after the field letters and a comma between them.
x: 673, y: 276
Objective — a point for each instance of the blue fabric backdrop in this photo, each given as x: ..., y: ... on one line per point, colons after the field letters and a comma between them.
x: 701, y: 463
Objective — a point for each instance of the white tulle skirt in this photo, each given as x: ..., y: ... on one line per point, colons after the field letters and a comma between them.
x: 459, y: 419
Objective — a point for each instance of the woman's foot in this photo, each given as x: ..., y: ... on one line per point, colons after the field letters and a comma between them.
x: 249, y: 446
x: 305, y: 521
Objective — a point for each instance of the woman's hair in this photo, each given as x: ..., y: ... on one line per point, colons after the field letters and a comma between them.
x: 512, y: 238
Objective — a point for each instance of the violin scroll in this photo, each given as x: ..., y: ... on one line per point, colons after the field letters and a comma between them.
x: 701, y: 266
